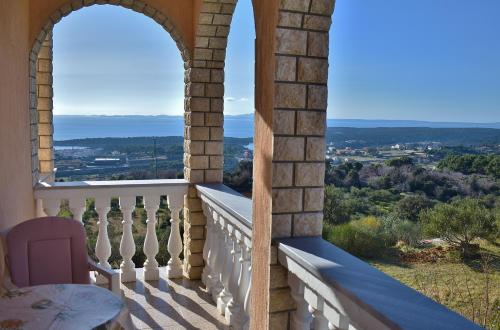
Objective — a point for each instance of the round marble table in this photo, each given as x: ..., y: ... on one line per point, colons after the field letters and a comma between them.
x: 63, y: 306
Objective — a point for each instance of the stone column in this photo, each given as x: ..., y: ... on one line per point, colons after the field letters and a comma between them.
x: 299, y: 107
x: 203, y: 136
x: 44, y: 106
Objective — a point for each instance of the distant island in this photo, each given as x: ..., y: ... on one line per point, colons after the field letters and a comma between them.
x: 240, y: 126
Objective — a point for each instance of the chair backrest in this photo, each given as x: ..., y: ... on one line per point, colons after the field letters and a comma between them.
x: 48, y: 250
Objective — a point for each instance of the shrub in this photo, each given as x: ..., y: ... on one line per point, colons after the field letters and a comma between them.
x: 409, y: 207
x: 401, y: 230
x: 362, y: 238
x: 460, y: 222
x: 335, y: 210
x: 398, y: 162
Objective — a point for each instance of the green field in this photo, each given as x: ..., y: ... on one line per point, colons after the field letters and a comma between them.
x: 469, y: 288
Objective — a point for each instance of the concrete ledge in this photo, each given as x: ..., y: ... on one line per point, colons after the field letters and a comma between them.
x: 231, y: 201
x: 369, y: 298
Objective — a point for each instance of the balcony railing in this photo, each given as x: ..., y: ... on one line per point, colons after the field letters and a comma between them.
x: 227, y: 251
x: 335, y: 290
x: 332, y: 289
x: 50, y: 195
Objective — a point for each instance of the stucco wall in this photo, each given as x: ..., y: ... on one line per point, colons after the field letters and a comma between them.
x: 16, y: 194
x: 266, y: 17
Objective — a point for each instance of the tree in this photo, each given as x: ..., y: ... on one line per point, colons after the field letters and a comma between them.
x: 469, y: 163
x: 410, y: 207
x: 335, y: 210
x: 460, y: 223
x: 401, y: 161
x: 241, y: 179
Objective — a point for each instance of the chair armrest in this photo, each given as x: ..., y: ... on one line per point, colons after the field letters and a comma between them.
x: 112, y: 276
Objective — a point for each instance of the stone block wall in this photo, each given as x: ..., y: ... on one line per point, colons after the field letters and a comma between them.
x: 299, y: 128
x: 204, y: 119
x: 44, y: 107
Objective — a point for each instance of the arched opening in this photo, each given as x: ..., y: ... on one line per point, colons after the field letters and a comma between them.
x: 239, y: 100
x: 114, y: 86
x: 41, y: 77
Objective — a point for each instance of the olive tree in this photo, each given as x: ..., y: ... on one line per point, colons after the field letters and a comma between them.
x: 460, y: 223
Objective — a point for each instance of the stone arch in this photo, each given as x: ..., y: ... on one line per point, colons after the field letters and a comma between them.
x: 40, y: 77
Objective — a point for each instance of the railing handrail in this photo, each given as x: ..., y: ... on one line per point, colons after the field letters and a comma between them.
x: 110, y: 183
x: 230, y: 203
x: 367, y: 296
x: 121, y: 187
x: 227, y: 251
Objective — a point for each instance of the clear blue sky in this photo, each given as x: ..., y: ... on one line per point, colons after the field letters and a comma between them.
x: 435, y: 60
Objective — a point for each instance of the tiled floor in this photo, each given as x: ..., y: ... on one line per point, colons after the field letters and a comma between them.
x: 171, y: 304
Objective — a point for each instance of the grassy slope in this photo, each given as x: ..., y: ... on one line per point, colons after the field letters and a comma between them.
x: 460, y: 287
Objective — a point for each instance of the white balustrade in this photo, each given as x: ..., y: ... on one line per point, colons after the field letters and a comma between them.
x: 50, y: 195
x: 248, y: 287
x: 332, y: 289
x: 225, y: 294
x: 233, y: 306
x: 103, y: 246
x: 51, y: 206
x: 127, y: 245
x: 301, y: 318
x: 151, y: 248
x: 317, y: 307
x: 174, y: 267
x: 335, y: 290
x: 227, y: 253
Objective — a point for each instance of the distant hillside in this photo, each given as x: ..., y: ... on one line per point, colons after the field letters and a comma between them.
x: 372, y: 137
x: 373, y: 123
x: 339, y: 136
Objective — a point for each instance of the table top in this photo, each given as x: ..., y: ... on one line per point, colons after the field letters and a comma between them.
x: 59, y: 306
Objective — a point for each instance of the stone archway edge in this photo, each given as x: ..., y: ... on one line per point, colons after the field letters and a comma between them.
x: 40, y: 75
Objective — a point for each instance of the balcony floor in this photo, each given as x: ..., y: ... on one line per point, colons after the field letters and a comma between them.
x: 171, y: 304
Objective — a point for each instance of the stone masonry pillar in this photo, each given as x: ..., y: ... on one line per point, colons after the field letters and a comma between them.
x: 41, y: 113
x: 298, y: 134
x: 203, y: 136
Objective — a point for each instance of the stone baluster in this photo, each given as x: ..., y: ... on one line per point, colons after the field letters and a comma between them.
x: 174, y: 267
x: 300, y: 318
x: 344, y: 322
x: 332, y: 327
x: 51, y: 207
x: 151, y: 271
x: 232, y: 307
x: 225, y: 295
x: 218, y: 257
x: 244, y: 278
x: 338, y: 322
x: 77, y: 207
x: 103, y: 246
x: 127, y: 245
x: 246, y: 303
x: 207, y: 248
x: 319, y: 320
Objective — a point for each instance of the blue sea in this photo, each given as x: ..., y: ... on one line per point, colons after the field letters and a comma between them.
x: 78, y: 127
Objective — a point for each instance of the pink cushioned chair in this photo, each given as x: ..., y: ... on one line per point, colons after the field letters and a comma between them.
x: 52, y: 250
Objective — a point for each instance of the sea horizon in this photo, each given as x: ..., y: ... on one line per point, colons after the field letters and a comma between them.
x: 69, y: 127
